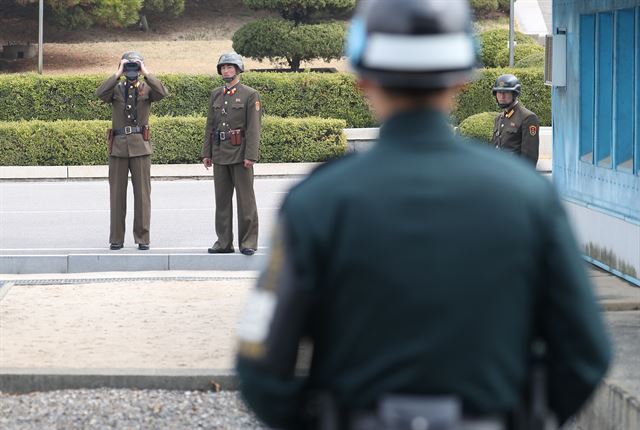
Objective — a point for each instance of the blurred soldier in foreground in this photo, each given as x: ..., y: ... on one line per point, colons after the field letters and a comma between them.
x: 130, y: 145
x: 517, y: 129
x: 424, y: 271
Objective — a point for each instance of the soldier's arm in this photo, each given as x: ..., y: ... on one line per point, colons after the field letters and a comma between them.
x: 531, y: 138
x: 105, y: 90
x: 274, y: 323
x: 158, y: 90
x: 207, y: 150
x: 569, y: 319
x: 254, y: 127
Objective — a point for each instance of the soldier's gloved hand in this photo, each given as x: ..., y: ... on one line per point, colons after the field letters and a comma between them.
x: 120, y: 70
x: 248, y: 163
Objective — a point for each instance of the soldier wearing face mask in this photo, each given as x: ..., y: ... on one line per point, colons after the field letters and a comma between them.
x: 130, y: 146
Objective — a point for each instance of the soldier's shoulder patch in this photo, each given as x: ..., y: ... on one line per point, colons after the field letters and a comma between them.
x: 258, y: 105
x: 533, y: 130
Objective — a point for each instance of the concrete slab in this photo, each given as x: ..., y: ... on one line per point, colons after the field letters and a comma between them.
x: 33, y: 172
x: 116, y: 262
x: 88, y: 172
x: 33, y: 264
x: 229, y: 262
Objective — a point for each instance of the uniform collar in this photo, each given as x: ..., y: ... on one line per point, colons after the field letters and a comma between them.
x: 418, y: 125
x: 508, y: 113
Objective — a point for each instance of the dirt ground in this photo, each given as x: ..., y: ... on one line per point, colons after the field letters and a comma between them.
x: 142, y: 324
x: 191, y: 43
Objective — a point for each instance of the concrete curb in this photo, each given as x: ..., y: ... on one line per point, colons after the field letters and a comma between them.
x: 111, y: 262
x: 158, y: 171
x: 29, y: 380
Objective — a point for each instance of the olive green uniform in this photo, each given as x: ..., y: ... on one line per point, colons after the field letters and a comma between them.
x: 424, y: 266
x: 236, y: 109
x: 130, y: 152
x: 517, y: 131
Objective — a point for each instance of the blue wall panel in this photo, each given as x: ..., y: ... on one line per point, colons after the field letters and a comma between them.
x: 624, y: 89
x: 604, y: 89
x: 614, y: 191
x: 587, y: 85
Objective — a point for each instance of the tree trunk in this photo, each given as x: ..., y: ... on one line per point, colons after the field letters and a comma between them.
x: 294, y: 63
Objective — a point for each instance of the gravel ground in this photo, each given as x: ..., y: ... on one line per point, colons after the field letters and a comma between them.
x: 125, y: 409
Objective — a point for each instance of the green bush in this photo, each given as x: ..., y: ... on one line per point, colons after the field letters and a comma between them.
x: 479, y: 126
x: 483, y: 7
x: 175, y: 140
x: 280, y: 40
x: 326, y: 95
x: 493, y: 41
x: 476, y: 97
x: 519, y: 53
x: 504, y: 5
x: 534, y: 60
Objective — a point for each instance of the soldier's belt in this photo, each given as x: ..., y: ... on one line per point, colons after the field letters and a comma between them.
x: 127, y: 130
x: 234, y: 135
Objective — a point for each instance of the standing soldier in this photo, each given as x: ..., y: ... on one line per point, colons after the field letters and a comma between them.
x: 129, y: 145
x: 516, y: 129
x: 231, y: 141
x: 424, y: 271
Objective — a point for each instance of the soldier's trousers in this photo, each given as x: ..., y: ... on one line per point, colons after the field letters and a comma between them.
x: 140, y: 168
x: 226, y: 178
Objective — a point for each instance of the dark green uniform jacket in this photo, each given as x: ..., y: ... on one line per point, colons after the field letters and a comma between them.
x: 425, y: 265
x: 112, y: 91
x: 239, y: 109
x: 518, y: 131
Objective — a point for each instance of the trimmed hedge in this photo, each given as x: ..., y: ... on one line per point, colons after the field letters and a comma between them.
x: 479, y: 126
x: 334, y: 95
x: 483, y: 7
x: 175, y: 140
x: 476, y: 96
x: 519, y: 53
x: 300, y: 95
x: 534, y: 60
x: 494, y: 41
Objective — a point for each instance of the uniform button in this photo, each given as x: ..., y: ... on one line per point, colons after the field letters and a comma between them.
x: 501, y: 125
x: 226, y: 102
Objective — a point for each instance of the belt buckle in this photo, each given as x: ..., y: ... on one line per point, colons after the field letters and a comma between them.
x: 223, y: 135
x: 128, y: 130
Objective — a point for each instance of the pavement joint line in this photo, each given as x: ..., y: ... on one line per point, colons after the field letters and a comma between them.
x: 4, y: 288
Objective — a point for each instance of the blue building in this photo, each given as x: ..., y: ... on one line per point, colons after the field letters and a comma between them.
x: 596, y: 127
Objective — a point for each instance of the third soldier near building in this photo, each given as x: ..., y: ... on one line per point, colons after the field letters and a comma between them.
x: 231, y: 141
x: 516, y: 129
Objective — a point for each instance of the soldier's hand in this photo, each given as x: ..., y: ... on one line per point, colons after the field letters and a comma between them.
x: 207, y: 163
x: 120, y: 70
x: 248, y: 163
x: 143, y: 68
